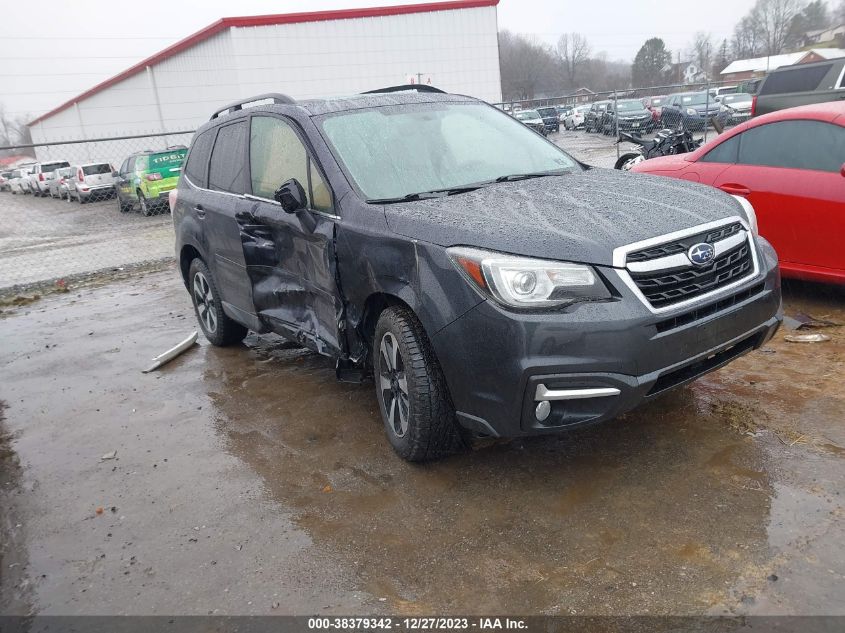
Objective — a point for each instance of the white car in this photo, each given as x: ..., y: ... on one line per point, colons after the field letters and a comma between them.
x: 575, y: 118
x: 37, y: 180
x: 18, y: 181
x: 91, y: 181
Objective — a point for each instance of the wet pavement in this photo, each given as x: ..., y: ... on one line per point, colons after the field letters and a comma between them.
x: 248, y: 481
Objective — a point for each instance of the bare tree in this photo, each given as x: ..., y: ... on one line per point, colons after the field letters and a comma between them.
x: 702, y: 51
x: 772, y: 20
x: 746, y: 39
x: 573, y: 50
x: 523, y: 61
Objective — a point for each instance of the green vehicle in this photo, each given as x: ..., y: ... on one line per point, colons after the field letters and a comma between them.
x: 146, y: 178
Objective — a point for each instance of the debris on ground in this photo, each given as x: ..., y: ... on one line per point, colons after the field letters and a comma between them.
x: 107, y: 456
x: 806, y: 338
x: 172, y: 353
x: 800, y: 321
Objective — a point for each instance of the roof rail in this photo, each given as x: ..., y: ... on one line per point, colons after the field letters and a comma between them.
x: 238, y: 105
x: 406, y: 87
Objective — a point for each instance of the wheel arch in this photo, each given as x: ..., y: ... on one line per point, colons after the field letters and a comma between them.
x: 188, y: 254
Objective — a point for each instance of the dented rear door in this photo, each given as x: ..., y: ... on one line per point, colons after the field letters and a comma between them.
x: 290, y: 258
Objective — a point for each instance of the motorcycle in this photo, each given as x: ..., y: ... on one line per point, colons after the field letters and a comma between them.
x: 665, y: 143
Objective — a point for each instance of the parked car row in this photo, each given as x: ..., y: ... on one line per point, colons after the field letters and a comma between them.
x: 143, y: 180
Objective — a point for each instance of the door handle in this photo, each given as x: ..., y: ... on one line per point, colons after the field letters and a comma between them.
x: 200, y: 211
x: 736, y: 190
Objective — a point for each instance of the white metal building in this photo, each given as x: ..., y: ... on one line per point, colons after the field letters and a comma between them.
x: 452, y: 45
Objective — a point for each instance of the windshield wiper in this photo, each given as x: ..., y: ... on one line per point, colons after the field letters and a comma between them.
x: 426, y: 195
x: 539, y: 174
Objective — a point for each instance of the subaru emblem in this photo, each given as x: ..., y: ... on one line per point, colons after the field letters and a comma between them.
x: 701, y: 254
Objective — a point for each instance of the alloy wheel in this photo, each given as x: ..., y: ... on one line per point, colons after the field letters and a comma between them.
x: 393, y: 385
x: 204, y: 300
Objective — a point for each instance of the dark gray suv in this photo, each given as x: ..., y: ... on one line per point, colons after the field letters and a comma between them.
x: 492, y: 284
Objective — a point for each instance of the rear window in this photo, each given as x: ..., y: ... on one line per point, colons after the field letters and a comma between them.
x: 167, y: 159
x: 794, y: 80
x: 45, y: 167
x: 94, y: 170
x: 547, y: 111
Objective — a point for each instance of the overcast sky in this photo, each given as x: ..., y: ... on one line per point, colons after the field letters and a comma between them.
x: 72, y: 46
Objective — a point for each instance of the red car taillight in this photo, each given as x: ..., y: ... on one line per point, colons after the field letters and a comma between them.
x: 41, y: 177
x: 754, y: 105
x: 154, y: 176
x: 80, y: 176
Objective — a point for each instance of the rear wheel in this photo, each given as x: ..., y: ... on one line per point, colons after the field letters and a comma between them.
x: 218, y: 328
x: 416, y: 409
x: 143, y: 205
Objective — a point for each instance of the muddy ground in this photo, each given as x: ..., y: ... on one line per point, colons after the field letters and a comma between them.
x: 248, y: 481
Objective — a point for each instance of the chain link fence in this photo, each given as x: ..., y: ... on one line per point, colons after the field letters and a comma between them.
x: 71, y: 225
x: 51, y: 231
x: 704, y: 108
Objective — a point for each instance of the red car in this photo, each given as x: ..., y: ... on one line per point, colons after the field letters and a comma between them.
x: 790, y: 165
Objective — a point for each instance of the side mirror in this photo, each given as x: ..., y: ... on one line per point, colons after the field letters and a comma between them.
x: 115, y: 174
x: 842, y: 170
x: 291, y: 196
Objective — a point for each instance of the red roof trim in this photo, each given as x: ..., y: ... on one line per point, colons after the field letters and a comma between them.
x: 268, y: 20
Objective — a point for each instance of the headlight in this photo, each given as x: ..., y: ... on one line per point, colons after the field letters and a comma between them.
x: 749, y: 213
x: 524, y: 282
x: 692, y: 111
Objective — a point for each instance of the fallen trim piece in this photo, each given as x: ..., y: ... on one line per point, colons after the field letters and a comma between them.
x: 173, y: 352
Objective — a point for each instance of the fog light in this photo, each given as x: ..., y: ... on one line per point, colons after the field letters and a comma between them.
x: 543, y: 410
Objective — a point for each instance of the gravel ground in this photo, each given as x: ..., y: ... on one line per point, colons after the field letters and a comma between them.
x: 247, y: 480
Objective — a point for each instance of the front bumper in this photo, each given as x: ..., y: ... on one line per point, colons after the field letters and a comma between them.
x: 495, y: 360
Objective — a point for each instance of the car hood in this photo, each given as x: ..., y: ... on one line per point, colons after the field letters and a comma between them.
x: 634, y: 113
x: 578, y: 217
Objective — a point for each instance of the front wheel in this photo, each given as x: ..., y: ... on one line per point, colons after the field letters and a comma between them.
x: 627, y: 161
x: 217, y: 327
x: 416, y: 409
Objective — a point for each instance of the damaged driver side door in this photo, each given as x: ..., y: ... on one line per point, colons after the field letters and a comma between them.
x: 290, y: 257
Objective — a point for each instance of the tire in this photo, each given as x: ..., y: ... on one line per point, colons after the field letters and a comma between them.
x: 80, y: 198
x: 121, y: 205
x: 218, y: 328
x: 143, y: 206
x: 623, y: 162
x: 402, y: 355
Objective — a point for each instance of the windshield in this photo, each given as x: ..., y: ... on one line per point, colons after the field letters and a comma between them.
x: 395, y: 151
x: 736, y: 98
x: 629, y: 105
x: 699, y: 98
x: 94, y: 170
x: 527, y: 115
x: 547, y: 111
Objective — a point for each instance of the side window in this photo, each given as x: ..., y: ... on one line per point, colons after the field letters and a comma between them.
x: 226, y: 169
x: 276, y: 154
x: 842, y: 79
x: 130, y: 165
x: 196, y: 167
x: 124, y: 167
x: 725, y: 152
x: 811, y: 145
